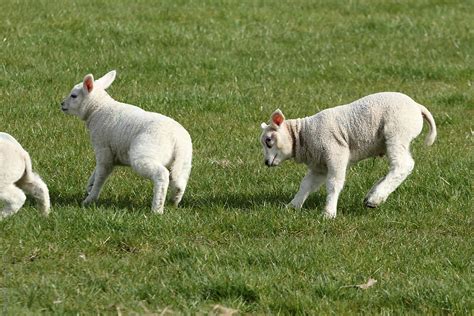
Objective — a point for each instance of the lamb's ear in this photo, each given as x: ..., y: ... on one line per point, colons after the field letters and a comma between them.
x: 88, y: 83
x: 263, y: 125
x: 106, y: 80
x: 277, y: 118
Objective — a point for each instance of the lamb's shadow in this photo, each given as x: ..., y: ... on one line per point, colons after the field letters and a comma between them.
x: 62, y: 199
x: 255, y: 201
x: 75, y: 200
x: 242, y: 201
x: 234, y: 201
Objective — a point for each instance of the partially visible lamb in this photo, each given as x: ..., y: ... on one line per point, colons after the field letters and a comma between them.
x: 155, y: 146
x: 18, y: 178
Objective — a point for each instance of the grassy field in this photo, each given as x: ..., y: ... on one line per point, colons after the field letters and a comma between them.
x: 220, y: 68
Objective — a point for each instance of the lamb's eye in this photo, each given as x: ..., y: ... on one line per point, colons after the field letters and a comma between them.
x: 268, y: 142
x: 73, y: 96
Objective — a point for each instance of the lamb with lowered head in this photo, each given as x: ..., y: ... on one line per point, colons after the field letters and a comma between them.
x: 329, y: 141
x: 155, y: 146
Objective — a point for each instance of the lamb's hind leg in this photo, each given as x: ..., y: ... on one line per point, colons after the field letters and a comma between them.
x: 401, y: 165
x: 13, y: 199
x: 36, y: 188
x: 90, y: 183
x: 159, y: 175
x: 179, y: 179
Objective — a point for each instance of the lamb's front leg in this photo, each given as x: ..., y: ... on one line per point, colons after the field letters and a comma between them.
x: 334, y: 184
x: 98, y: 178
x: 311, y: 182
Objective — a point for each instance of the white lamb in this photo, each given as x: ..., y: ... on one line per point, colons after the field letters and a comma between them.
x: 18, y: 178
x: 331, y: 140
x: 155, y: 146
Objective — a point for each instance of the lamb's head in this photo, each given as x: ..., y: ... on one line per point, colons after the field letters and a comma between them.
x: 75, y: 103
x: 276, y: 140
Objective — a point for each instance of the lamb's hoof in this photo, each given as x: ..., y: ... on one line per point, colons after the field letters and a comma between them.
x: 176, y: 202
x: 369, y: 203
x: 374, y: 201
x: 294, y: 205
x: 87, y: 202
x: 158, y: 211
x: 329, y: 215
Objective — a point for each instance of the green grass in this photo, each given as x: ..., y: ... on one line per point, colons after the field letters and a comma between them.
x: 220, y: 68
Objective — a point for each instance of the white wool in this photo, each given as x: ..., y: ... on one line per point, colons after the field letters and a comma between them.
x: 154, y: 145
x: 363, y: 126
x: 17, y: 178
x: 329, y: 141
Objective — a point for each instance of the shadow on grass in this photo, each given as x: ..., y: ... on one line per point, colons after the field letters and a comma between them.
x: 222, y: 290
x: 75, y: 200
x: 254, y: 201
x: 242, y: 201
x: 61, y: 199
x: 234, y: 201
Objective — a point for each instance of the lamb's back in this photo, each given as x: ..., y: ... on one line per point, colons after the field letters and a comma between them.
x: 360, y: 125
x: 120, y: 127
x: 125, y: 121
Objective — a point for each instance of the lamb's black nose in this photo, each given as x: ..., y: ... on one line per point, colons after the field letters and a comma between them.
x: 267, y: 162
x: 62, y: 103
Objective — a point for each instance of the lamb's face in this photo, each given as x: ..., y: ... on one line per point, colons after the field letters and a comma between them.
x: 275, y: 140
x: 72, y: 103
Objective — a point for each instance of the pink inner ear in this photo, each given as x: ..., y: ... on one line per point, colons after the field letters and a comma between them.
x: 278, y: 119
x: 89, y: 84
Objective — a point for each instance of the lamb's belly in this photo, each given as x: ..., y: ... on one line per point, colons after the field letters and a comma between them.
x: 122, y: 159
x: 367, y: 151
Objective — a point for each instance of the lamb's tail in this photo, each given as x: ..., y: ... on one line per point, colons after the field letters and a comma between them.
x: 32, y: 184
x: 430, y: 138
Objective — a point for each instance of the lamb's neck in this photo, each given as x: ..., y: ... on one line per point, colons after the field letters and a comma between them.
x: 295, y: 127
x: 93, y: 105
